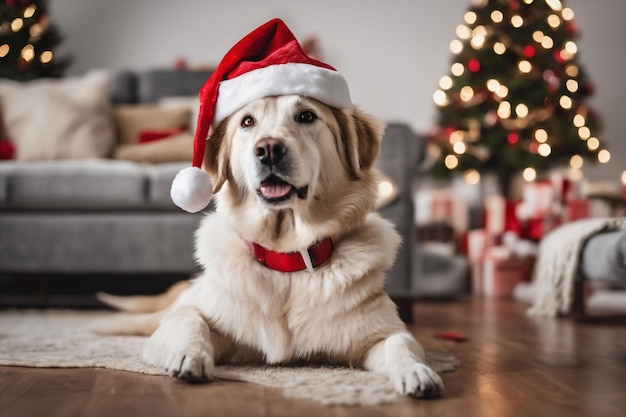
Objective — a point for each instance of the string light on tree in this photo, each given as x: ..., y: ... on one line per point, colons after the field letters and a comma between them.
x: 451, y: 162
x: 521, y: 110
x: 529, y: 174
x: 579, y: 120
x: 457, y: 69
x: 541, y: 135
x: 604, y: 156
x: 497, y: 16
x: 471, y: 176
x: 576, y: 161
x: 584, y: 132
x: 554, y: 21
x: 445, y: 82
x: 499, y: 48
x: 517, y: 21
x: 593, y: 143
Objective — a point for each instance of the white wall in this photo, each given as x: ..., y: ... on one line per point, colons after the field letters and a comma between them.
x: 392, y: 53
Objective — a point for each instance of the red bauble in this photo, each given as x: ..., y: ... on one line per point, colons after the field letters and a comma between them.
x: 553, y: 86
x: 514, y: 5
x: 512, y: 138
x: 558, y: 57
x: 571, y: 28
x: 473, y: 65
x: 22, y: 64
x: 529, y: 51
x: 589, y: 88
x: 449, y: 129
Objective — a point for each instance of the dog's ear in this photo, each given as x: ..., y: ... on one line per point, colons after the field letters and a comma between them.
x: 369, y: 132
x: 216, y: 156
x: 361, y: 135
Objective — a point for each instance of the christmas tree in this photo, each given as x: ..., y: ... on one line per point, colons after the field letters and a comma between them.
x: 515, y: 98
x: 27, y: 40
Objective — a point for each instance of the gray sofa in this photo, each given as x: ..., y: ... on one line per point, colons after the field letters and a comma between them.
x: 100, y: 222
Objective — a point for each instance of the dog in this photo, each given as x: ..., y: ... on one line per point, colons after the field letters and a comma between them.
x: 288, y: 172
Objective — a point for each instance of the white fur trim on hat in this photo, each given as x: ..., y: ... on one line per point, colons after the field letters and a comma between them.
x: 191, y: 189
x: 320, y: 83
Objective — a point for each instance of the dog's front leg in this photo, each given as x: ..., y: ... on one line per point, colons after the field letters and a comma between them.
x: 401, y: 358
x: 182, y: 346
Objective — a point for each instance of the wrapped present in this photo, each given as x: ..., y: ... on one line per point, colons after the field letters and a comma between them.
x: 433, y: 206
x: 497, y: 269
x: 576, y: 210
x: 503, y: 270
x: 441, y: 207
x: 500, y: 216
x: 565, y: 189
x: 537, y: 201
x: 476, y: 244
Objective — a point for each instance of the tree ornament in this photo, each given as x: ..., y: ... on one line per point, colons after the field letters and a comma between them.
x: 571, y: 28
x: 491, y: 118
x: 529, y: 51
x: 473, y: 65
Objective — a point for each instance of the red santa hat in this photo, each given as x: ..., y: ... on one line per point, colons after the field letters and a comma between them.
x: 267, y: 62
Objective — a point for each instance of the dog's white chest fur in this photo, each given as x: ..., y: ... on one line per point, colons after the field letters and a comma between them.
x: 294, y: 315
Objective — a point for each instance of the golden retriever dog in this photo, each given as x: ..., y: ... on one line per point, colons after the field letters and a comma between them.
x: 288, y: 171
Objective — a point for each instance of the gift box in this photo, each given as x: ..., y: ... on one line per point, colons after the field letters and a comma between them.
x: 433, y: 206
x: 500, y: 216
x: 576, y: 210
x: 502, y: 270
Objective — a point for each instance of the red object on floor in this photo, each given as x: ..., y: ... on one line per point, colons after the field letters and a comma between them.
x: 454, y: 336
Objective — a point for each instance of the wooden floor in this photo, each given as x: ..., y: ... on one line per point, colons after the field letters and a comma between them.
x: 512, y: 365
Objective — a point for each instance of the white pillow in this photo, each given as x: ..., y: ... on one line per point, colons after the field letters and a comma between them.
x: 64, y: 118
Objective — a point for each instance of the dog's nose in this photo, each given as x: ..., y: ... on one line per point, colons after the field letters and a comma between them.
x: 270, y: 151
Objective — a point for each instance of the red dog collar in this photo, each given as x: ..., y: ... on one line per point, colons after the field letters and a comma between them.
x: 309, y: 259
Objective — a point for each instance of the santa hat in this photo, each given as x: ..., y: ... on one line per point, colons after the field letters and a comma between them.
x: 267, y: 62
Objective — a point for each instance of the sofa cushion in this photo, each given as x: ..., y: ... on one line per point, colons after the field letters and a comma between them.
x: 174, y: 148
x: 132, y: 120
x: 50, y: 119
x: 83, y: 184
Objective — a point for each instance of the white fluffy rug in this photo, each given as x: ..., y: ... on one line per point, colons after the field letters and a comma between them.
x: 59, y: 339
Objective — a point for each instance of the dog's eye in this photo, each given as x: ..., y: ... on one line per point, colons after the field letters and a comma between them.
x: 247, y: 121
x: 307, y: 116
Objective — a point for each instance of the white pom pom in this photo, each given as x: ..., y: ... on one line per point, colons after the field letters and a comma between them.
x: 191, y: 189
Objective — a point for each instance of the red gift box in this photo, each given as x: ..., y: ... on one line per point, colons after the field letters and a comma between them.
x: 503, y: 270
x: 576, y: 210
x: 500, y: 216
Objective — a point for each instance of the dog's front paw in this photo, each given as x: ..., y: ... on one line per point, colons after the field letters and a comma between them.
x: 191, y: 363
x: 419, y: 381
x: 190, y: 366
x: 182, y: 347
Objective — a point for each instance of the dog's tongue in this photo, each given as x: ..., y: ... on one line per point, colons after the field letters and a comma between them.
x: 275, y: 190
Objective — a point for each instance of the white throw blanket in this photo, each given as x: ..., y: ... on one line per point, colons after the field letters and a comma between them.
x: 558, y: 261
